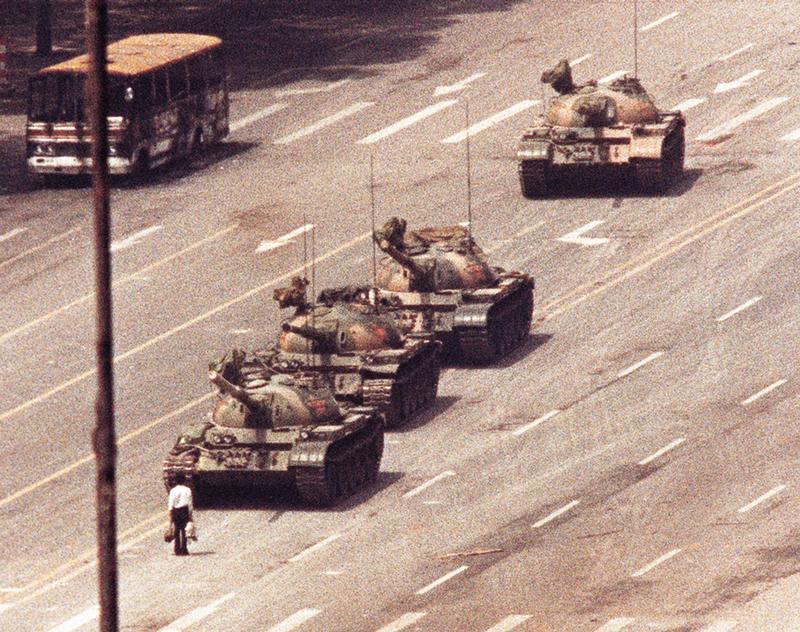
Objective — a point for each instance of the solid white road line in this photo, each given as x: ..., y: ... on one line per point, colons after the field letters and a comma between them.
x: 239, y: 331
x: 640, y: 364
x: 296, y: 620
x: 774, y: 491
x: 654, y: 563
x: 738, y: 51
x: 12, y: 233
x: 492, y: 120
x: 325, y: 122
x: 580, y: 59
x: 196, y: 615
x: 720, y: 626
x: 255, y: 116
x: 132, y: 240
x: 575, y: 237
x: 409, y: 618
x: 316, y: 547
x: 427, y: 484
x: 727, y: 128
x: 79, y: 620
x: 328, y: 87
x: 556, y: 514
x: 407, y: 122
x: 442, y: 580
x: 283, y: 240
x: 510, y: 622
x: 689, y: 104
x: 457, y: 87
x: 612, y: 76
x: 659, y: 21
x: 763, y: 392
x: 794, y: 135
x: 615, y: 625
x: 737, y: 83
x: 741, y: 307
x: 535, y: 422
x: 662, y: 451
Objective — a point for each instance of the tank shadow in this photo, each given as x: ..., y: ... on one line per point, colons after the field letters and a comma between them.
x: 602, y: 184
x: 439, y: 406
x: 533, y: 342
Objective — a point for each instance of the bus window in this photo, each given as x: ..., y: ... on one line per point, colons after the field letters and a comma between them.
x: 161, y: 94
x: 177, y: 81
x: 117, y: 104
x: 197, y: 82
x: 215, y: 68
x: 55, y: 98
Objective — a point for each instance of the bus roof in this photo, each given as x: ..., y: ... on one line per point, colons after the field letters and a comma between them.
x: 141, y: 53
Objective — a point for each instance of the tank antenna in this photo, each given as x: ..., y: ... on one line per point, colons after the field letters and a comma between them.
x: 636, y: 39
x: 305, y: 276
x: 313, y: 273
x: 374, y: 245
x: 469, y: 174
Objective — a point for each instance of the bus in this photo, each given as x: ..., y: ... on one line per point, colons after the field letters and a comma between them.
x: 167, y: 99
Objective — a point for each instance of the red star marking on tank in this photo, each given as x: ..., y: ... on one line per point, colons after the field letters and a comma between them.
x: 317, y: 406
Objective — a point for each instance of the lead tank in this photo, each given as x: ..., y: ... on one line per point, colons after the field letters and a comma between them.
x: 616, y: 126
x: 268, y: 430
x: 363, y: 355
x: 438, y: 281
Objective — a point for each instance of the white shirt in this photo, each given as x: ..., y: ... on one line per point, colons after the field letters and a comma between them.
x: 180, y: 496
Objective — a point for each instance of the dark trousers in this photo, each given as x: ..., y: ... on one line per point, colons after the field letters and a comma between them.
x: 180, y: 516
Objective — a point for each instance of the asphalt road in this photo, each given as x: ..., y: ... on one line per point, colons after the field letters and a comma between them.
x: 631, y: 468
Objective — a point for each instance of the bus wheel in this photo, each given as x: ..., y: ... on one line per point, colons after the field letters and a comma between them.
x: 142, y: 165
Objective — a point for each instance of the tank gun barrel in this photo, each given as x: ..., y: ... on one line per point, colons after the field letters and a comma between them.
x: 237, y: 392
x: 414, y: 268
x: 326, y: 339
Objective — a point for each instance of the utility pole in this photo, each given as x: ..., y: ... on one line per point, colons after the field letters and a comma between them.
x: 44, y: 28
x: 104, y: 438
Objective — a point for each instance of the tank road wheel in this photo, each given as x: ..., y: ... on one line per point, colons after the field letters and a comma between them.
x: 533, y: 176
x: 656, y: 176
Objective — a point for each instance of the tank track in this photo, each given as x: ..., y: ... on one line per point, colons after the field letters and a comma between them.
x: 352, y: 464
x: 656, y: 176
x: 533, y: 178
x: 508, y: 325
x: 180, y: 461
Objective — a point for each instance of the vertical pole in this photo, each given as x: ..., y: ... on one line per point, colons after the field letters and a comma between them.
x: 305, y: 278
x: 372, y: 207
x: 469, y: 174
x: 44, y: 28
x: 636, y: 38
x: 103, y: 438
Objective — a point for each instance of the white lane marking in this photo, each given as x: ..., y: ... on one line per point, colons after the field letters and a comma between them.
x: 575, y: 236
x: 720, y: 626
x: 640, y: 364
x: 196, y: 615
x: 580, y: 59
x: 79, y: 620
x: 659, y: 21
x: 407, y: 121
x: 689, y: 104
x: 240, y: 331
x: 255, y: 116
x: 296, y: 620
x: 738, y: 51
x: 556, y: 514
x: 492, y: 120
x: 288, y: 92
x: 762, y: 498
x: 427, y: 484
x: 535, y: 422
x: 409, y: 618
x: 612, y: 76
x: 654, y: 563
x: 132, y: 240
x: 325, y: 122
x: 726, y: 128
x: 741, y: 307
x: 737, y: 83
x: 283, y: 240
x: 615, y: 625
x: 431, y: 502
x: 457, y: 87
x: 509, y: 623
x: 442, y: 580
x: 662, y: 451
x: 794, y: 135
x: 333, y: 573
x: 11, y: 590
x: 764, y: 391
x: 315, y: 547
x: 5, y: 606
x: 12, y: 233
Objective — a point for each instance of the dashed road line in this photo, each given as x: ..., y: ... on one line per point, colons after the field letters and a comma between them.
x: 442, y: 580
x: 132, y: 240
x: 657, y: 562
x: 509, y: 623
x: 580, y: 59
x: 737, y: 83
x: 738, y: 51
x: 316, y: 547
x: 12, y: 233
x: 738, y: 309
x: 793, y: 135
x: 283, y: 240
x: 555, y: 514
x: 197, y: 615
x: 457, y: 87
x: 723, y: 130
x: 576, y: 236
x: 427, y: 484
x: 615, y: 625
x: 78, y: 621
x: 689, y: 104
x: 764, y: 497
x: 407, y: 121
x: 409, y: 618
x: 639, y: 364
x: 764, y: 391
x: 662, y: 451
x: 44, y: 244
x: 295, y: 620
x: 719, y: 626
x: 324, y: 122
x: 539, y: 420
x: 328, y: 87
x: 256, y: 116
x: 490, y: 121
x: 614, y: 75
x: 659, y: 21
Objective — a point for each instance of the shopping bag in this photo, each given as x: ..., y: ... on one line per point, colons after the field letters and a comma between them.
x: 191, y: 531
x: 169, y: 534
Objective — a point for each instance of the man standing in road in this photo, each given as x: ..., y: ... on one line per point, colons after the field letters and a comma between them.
x: 180, y: 512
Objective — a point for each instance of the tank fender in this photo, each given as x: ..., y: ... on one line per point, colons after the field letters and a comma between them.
x: 471, y: 316
x: 309, y: 454
x: 380, y: 369
x: 538, y: 149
